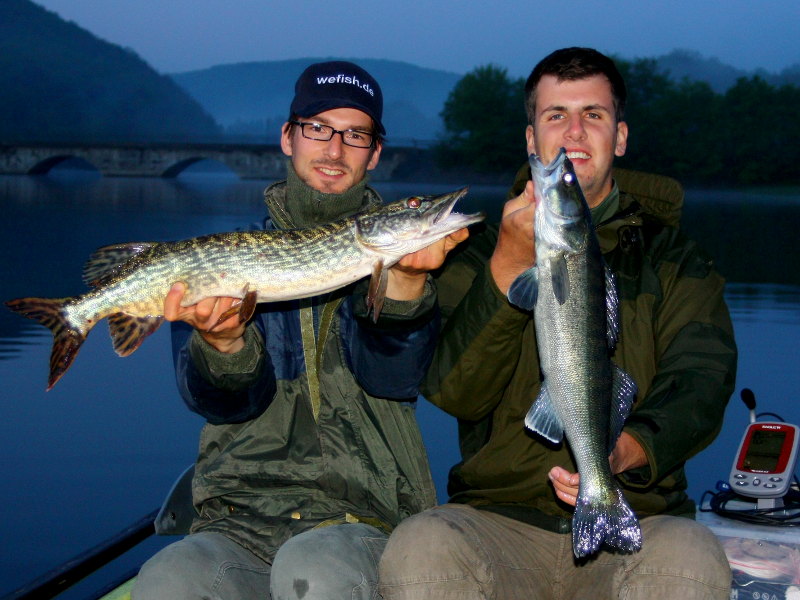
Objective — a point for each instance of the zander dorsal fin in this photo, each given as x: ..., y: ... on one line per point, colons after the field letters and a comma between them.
x: 612, y: 308
x: 542, y: 417
x: 128, y: 332
x: 106, y: 261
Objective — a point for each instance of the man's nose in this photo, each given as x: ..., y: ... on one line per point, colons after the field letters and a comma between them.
x: 576, y: 130
x: 334, y: 146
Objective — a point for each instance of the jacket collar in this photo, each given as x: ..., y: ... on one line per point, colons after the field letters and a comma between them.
x: 294, y: 204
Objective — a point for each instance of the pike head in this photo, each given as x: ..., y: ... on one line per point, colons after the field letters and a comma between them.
x: 411, y: 224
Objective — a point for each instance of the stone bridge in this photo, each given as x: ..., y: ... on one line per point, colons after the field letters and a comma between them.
x: 248, y: 161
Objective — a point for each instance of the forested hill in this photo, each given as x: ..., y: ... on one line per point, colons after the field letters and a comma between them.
x: 252, y: 99
x: 61, y: 83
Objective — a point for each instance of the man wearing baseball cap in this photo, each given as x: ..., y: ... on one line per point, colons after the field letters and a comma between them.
x: 311, y: 453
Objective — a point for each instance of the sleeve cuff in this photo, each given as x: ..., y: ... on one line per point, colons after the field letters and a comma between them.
x: 213, y: 364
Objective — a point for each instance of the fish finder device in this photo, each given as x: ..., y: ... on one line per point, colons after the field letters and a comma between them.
x: 765, y: 462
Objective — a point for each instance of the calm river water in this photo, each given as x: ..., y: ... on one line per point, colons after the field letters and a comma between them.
x: 100, y: 450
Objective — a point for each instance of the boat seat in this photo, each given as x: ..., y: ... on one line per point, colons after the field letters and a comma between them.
x: 177, y: 512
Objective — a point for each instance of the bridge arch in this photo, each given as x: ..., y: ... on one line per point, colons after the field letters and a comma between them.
x: 204, y: 164
x: 180, y: 166
x: 46, y: 165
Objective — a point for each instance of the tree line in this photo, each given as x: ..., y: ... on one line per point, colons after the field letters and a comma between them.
x: 747, y: 135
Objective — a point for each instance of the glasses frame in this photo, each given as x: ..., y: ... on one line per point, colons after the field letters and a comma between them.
x: 341, y: 132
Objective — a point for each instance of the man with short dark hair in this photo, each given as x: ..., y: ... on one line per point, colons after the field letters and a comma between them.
x: 506, y: 531
x: 311, y: 453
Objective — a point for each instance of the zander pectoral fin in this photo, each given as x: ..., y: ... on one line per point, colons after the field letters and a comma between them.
x: 525, y: 289
x: 560, y: 278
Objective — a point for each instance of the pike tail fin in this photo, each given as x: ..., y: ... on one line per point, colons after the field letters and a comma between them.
x: 67, y: 339
x: 611, y: 523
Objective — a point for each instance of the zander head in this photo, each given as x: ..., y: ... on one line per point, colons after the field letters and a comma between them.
x: 561, y: 206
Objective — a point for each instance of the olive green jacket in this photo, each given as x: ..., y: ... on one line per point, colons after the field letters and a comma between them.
x: 319, y: 449
x: 676, y: 342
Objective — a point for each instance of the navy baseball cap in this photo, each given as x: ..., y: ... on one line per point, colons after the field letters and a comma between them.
x: 337, y: 84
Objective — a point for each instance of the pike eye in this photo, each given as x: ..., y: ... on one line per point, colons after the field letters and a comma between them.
x: 414, y: 202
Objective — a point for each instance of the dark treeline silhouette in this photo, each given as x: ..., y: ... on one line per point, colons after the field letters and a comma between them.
x: 746, y: 135
x: 61, y: 83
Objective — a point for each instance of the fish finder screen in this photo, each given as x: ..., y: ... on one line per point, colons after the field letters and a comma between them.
x: 764, y: 450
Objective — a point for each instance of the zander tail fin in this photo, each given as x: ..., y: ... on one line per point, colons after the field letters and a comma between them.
x: 610, y: 523
x: 67, y: 339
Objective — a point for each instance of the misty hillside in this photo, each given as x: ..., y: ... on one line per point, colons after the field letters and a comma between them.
x: 692, y: 65
x: 253, y: 98
x: 61, y: 83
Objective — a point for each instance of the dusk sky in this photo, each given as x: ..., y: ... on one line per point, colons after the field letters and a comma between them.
x: 452, y: 35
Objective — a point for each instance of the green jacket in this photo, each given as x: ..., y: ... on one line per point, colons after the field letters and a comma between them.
x: 676, y: 342
x: 293, y: 439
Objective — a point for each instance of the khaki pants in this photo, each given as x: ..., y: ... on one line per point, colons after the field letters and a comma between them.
x: 457, y: 552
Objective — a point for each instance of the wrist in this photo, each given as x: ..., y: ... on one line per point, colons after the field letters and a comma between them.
x: 505, y: 271
x: 405, y: 286
x: 226, y: 345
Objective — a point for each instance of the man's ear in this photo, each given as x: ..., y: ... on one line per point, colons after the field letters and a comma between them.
x: 376, y: 154
x: 531, y: 140
x: 622, y: 139
x: 286, y: 139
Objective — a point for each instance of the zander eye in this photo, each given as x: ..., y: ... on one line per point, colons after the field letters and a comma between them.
x: 414, y: 202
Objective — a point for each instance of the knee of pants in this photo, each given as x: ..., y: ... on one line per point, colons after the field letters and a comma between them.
x: 680, y: 547
x: 167, y: 574
x: 340, y: 561
x: 201, y: 566
x: 434, y: 539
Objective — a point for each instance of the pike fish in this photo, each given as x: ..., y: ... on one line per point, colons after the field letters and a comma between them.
x: 130, y: 281
x: 584, y: 395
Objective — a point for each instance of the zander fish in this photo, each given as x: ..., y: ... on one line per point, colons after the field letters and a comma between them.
x: 574, y: 299
x: 130, y: 281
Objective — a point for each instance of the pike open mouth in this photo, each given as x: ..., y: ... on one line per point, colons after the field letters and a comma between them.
x: 449, y: 205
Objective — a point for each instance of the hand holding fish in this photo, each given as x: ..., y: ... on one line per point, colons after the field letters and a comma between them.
x: 565, y: 484
x: 407, y: 278
x: 515, y: 252
x: 226, y: 337
x: 627, y: 454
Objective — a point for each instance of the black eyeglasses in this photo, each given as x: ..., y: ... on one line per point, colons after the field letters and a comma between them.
x: 324, y: 133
